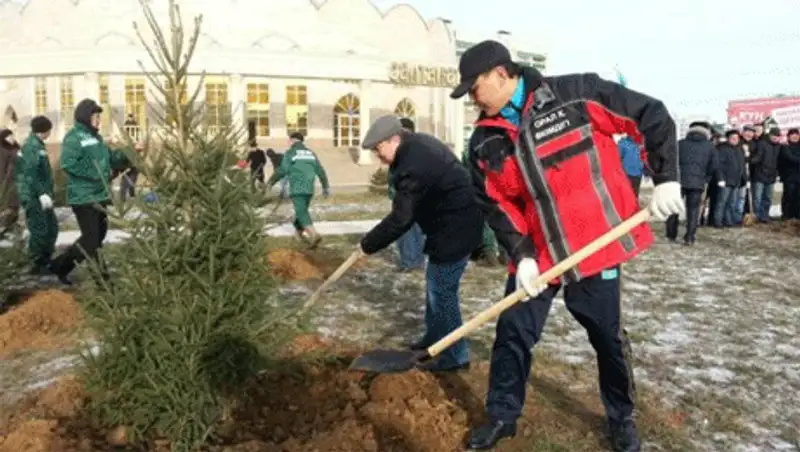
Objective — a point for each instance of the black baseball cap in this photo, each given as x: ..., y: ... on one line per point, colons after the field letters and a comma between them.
x: 477, y: 60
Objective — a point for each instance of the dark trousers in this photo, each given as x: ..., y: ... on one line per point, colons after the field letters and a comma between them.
x: 127, y: 185
x: 636, y: 183
x: 93, y: 223
x: 707, y: 215
x: 692, y: 197
x: 595, y: 303
x: 790, y: 201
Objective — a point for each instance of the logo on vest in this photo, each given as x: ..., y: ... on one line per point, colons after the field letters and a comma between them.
x: 550, y: 124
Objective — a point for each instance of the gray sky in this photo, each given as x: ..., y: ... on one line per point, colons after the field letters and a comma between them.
x: 694, y: 55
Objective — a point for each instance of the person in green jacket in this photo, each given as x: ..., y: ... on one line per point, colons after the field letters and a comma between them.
x: 301, y: 166
x: 88, y: 163
x: 34, y: 178
x: 489, y: 251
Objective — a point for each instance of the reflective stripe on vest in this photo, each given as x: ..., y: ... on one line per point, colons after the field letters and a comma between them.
x: 545, y: 128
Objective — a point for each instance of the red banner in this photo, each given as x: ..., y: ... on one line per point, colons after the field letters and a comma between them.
x: 753, y: 111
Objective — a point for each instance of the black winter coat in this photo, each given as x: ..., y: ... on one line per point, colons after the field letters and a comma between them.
x: 790, y: 159
x: 731, y: 168
x: 764, y: 161
x: 697, y: 160
x: 434, y: 190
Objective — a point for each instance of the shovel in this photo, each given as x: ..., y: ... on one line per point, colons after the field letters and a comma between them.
x: 357, y: 254
x: 750, y: 218
x: 391, y: 361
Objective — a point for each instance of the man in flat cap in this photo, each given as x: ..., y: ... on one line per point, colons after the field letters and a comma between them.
x: 434, y: 190
x: 550, y: 181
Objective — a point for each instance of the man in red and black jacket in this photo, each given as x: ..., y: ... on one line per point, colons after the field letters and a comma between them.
x: 549, y: 179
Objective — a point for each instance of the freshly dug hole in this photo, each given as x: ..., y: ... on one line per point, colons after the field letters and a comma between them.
x: 41, y: 321
x: 295, y: 265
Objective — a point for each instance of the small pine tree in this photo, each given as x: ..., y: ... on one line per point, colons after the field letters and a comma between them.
x: 187, y: 315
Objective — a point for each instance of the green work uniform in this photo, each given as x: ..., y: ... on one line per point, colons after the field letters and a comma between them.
x: 88, y: 163
x: 34, y: 178
x: 301, y: 166
x: 489, y: 239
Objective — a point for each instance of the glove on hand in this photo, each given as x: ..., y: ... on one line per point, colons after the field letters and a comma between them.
x: 667, y: 200
x: 721, y: 184
x: 527, y: 272
x: 46, y: 201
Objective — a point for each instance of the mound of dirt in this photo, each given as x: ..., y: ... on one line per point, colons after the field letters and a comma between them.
x: 296, y: 265
x: 790, y: 227
x: 41, y: 321
x: 314, y: 406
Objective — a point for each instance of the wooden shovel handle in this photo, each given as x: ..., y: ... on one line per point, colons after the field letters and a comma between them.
x: 558, y: 270
x: 357, y: 254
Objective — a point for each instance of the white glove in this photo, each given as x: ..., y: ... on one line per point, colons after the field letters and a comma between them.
x: 747, y: 185
x: 721, y: 184
x: 527, y: 272
x: 667, y: 200
x: 46, y: 202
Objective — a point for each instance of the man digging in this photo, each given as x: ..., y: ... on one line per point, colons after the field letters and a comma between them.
x: 549, y: 179
x: 301, y: 166
x: 433, y: 190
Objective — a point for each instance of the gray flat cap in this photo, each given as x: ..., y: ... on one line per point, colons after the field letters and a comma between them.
x: 382, y: 129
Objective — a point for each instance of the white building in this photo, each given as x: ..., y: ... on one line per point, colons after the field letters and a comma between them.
x: 326, y: 69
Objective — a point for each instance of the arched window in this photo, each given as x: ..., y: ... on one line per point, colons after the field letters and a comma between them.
x: 405, y: 109
x: 347, y: 121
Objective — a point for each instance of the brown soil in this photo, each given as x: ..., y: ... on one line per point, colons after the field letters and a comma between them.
x: 310, y: 406
x: 296, y: 265
x: 42, y: 321
x: 790, y: 227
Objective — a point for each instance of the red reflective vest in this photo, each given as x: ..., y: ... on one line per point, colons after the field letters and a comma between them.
x: 564, y: 185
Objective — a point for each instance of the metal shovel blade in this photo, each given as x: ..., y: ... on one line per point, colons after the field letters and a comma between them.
x: 389, y: 361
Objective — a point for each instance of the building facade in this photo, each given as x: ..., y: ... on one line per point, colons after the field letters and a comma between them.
x: 326, y: 69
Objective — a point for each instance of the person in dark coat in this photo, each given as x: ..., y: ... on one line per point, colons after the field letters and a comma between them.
x: 9, y: 201
x: 764, y: 172
x: 698, y: 163
x: 710, y: 203
x: 257, y: 159
x: 434, y: 190
x: 731, y: 176
x: 790, y: 156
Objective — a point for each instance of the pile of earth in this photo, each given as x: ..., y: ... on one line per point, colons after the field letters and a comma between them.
x: 295, y: 265
x: 314, y: 405
x: 41, y: 320
x: 790, y: 227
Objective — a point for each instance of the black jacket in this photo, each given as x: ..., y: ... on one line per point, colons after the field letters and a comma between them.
x: 731, y: 168
x: 790, y: 159
x: 697, y: 160
x: 435, y: 191
x: 764, y: 161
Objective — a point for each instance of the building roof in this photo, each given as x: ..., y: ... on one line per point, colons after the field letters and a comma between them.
x: 329, y: 27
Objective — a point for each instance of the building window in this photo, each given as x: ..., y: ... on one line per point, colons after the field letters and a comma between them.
x: 218, y: 112
x: 67, y: 101
x: 40, y: 94
x: 258, y: 108
x: 297, y: 109
x: 405, y: 109
x: 347, y: 121
x: 105, y: 102
x: 135, y: 107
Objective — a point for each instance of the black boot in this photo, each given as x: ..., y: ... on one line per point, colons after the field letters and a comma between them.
x: 624, y: 437
x: 62, y: 267
x: 487, y: 436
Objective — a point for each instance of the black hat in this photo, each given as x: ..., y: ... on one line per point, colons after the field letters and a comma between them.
x: 477, y: 60
x: 793, y: 132
x: 296, y: 136
x: 731, y: 132
x: 703, y: 124
x: 407, y: 124
x: 40, y: 124
x: 748, y: 128
x: 774, y: 132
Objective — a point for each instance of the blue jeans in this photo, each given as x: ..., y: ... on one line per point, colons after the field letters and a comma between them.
x: 443, y: 310
x: 410, y: 246
x: 724, y: 210
x: 737, y: 205
x: 762, y: 198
